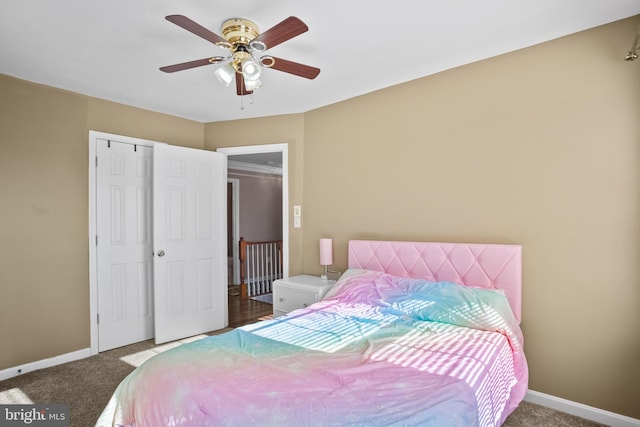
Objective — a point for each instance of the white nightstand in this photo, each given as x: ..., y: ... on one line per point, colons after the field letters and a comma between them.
x: 298, y: 292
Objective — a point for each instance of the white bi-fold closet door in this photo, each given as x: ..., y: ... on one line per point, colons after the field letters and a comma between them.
x: 160, y: 258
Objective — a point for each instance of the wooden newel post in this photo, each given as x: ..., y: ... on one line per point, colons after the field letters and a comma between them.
x: 243, y: 254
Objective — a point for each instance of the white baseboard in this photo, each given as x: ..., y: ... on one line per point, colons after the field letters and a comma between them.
x: 583, y: 411
x: 5, y: 374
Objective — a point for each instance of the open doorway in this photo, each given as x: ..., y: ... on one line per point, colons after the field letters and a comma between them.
x: 257, y: 202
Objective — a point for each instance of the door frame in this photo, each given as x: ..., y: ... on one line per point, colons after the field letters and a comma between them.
x: 235, y: 212
x: 284, y: 150
x: 93, y: 267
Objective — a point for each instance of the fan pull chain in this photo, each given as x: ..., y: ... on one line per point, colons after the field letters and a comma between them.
x: 242, y: 102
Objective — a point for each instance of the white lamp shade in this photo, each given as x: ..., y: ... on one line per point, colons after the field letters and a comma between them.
x: 251, y: 70
x: 225, y: 74
x: 252, y: 85
x: 326, y: 251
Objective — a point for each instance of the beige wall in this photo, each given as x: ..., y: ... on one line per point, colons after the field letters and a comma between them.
x: 44, y: 290
x: 539, y: 147
x: 121, y: 119
x: 44, y: 267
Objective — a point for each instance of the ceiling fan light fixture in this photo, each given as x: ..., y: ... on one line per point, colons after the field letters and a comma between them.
x: 251, y: 70
x: 225, y: 74
x: 252, y: 85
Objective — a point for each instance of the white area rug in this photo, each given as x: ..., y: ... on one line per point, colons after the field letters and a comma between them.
x: 268, y: 298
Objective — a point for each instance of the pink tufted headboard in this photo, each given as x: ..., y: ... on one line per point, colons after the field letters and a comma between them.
x: 480, y: 265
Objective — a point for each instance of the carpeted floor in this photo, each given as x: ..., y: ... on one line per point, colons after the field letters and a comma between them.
x: 86, y: 385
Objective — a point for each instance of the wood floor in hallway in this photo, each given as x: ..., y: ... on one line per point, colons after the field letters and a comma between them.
x: 245, y: 310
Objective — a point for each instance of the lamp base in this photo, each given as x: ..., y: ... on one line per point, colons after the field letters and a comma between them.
x: 325, y: 276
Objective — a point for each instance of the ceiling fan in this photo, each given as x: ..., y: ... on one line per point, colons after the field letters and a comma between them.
x: 244, y: 42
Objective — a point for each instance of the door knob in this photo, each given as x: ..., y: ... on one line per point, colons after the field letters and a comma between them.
x: 160, y: 252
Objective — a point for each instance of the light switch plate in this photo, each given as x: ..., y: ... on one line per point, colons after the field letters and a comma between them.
x: 297, y: 213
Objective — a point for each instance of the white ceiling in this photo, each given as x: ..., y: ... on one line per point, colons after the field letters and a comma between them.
x: 112, y: 49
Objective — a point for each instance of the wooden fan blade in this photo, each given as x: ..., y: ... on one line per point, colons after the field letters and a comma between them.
x: 240, y: 87
x: 295, y: 68
x: 186, y: 65
x: 285, y: 30
x: 195, y: 28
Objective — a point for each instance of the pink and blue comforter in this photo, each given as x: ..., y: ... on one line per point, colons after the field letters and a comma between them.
x: 378, y: 350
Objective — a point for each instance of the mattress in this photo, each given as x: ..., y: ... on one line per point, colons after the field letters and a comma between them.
x: 378, y: 350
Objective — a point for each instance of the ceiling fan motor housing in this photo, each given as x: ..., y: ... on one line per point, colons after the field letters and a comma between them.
x: 239, y: 31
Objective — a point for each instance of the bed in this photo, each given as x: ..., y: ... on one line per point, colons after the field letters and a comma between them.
x: 413, y: 333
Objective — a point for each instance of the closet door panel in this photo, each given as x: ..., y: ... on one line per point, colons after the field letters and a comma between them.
x: 124, y: 248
